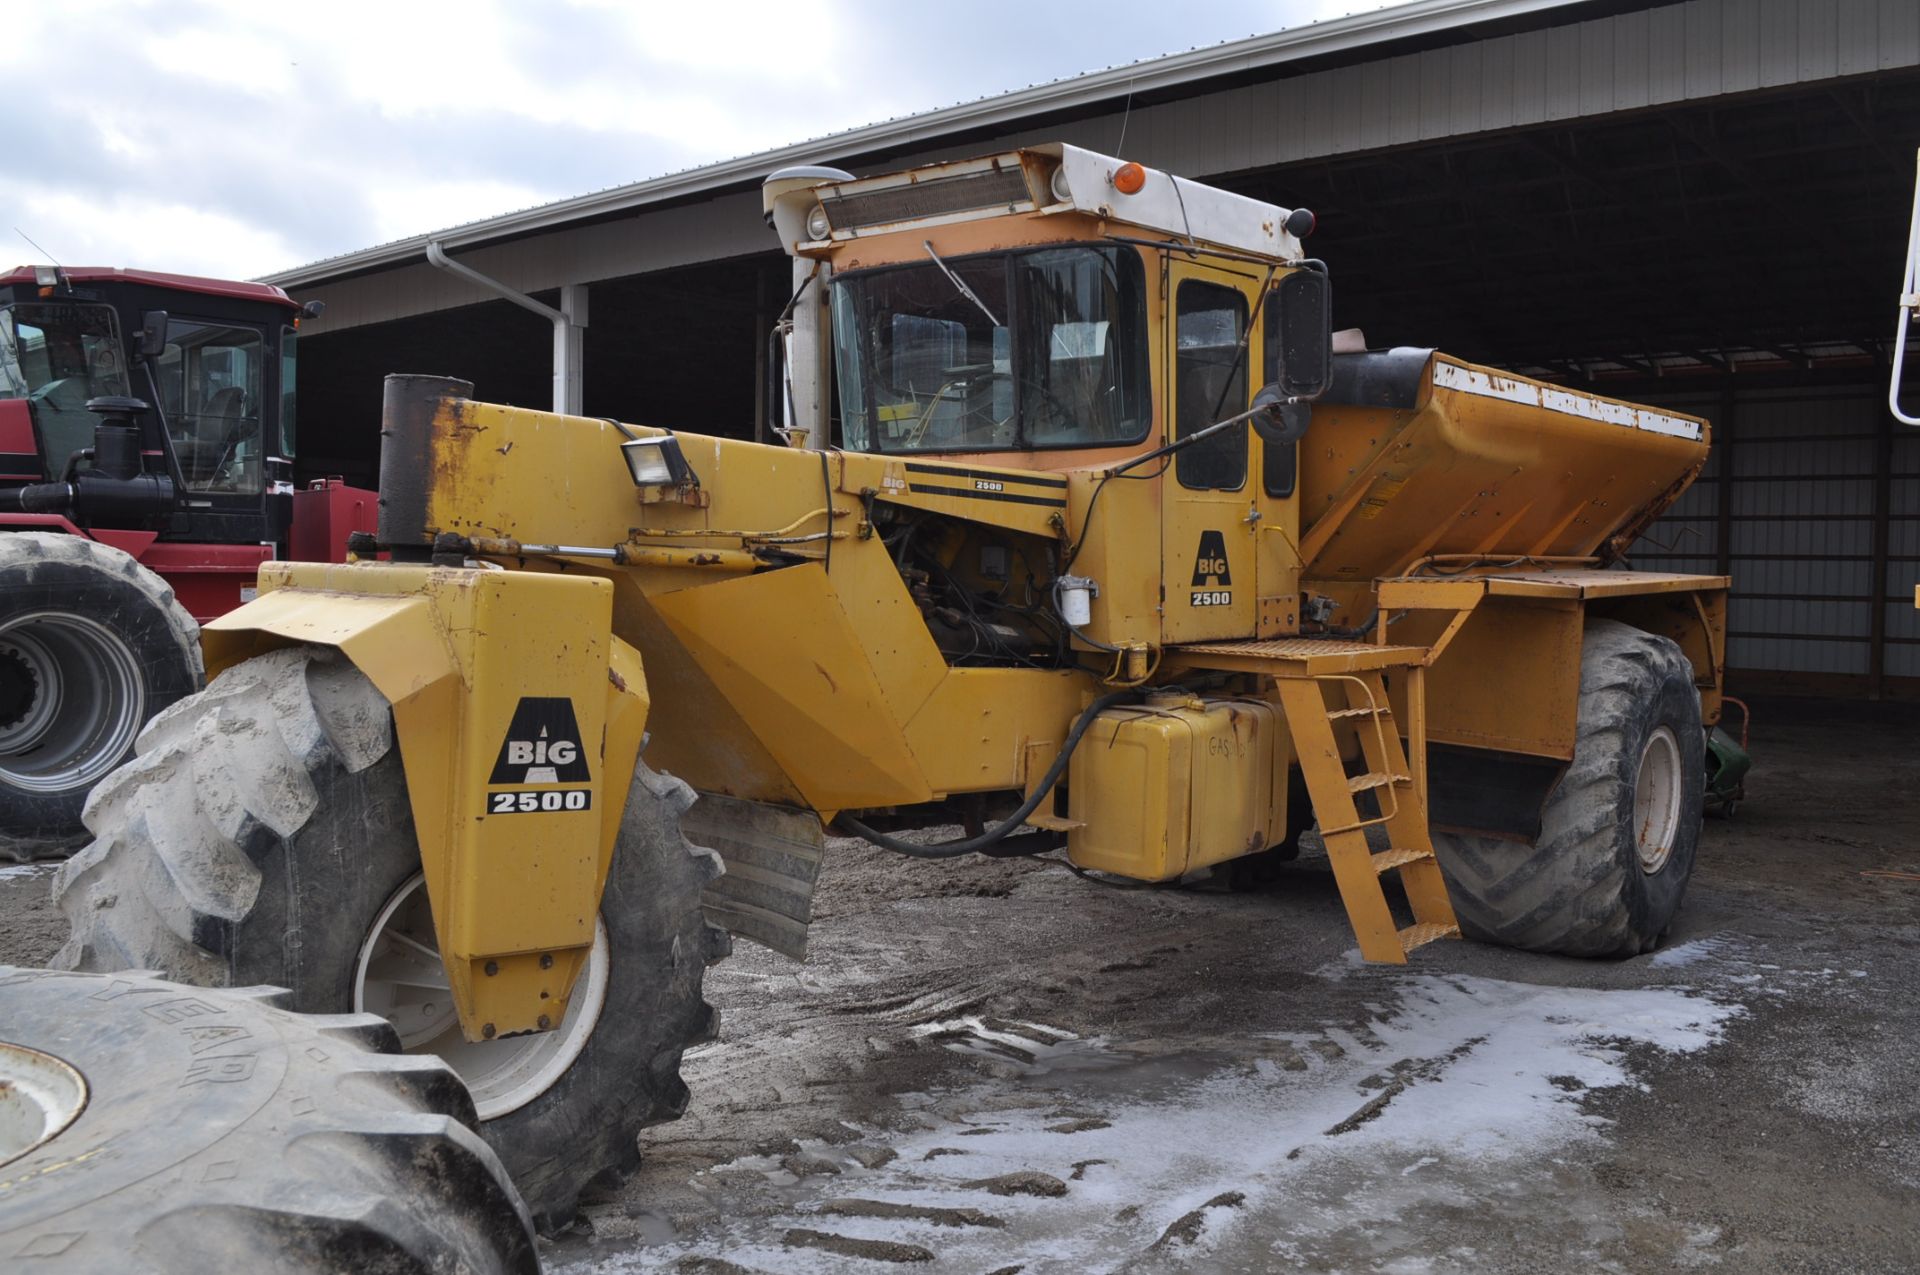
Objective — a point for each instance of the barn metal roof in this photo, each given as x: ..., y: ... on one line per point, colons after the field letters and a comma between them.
x: 1146, y: 77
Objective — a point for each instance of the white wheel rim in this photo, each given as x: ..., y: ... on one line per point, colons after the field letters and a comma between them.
x: 40, y: 1095
x: 399, y: 976
x: 1656, y: 800
x: 75, y: 691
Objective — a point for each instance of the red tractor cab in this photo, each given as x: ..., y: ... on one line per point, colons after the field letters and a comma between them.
x: 146, y: 470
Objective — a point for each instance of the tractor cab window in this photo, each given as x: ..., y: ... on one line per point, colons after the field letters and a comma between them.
x: 1210, y: 380
x: 1036, y: 349
x: 287, y: 395
x: 57, y: 355
x: 210, y: 378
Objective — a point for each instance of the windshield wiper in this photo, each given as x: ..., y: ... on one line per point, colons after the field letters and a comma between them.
x: 956, y: 281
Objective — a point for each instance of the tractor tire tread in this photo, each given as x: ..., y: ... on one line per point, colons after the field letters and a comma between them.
x: 246, y: 794
x: 28, y: 554
x: 1575, y: 891
x: 318, y: 1151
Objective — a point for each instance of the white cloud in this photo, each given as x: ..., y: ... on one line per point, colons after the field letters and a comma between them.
x: 238, y: 138
x: 82, y: 230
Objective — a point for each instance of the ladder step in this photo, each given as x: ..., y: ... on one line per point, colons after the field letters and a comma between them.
x: 1338, y: 713
x: 1387, y: 860
x: 1419, y: 935
x: 1375, y: 779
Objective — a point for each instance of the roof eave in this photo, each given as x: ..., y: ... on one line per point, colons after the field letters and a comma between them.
x: 1420, y: 17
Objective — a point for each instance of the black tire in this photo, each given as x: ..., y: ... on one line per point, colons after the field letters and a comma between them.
x: 68, y: 606
x: 265, y: 825
x: 223, y: 1133
x: 1582, y: 889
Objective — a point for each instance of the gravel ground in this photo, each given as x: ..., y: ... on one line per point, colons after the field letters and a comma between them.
x: 995, y: 1066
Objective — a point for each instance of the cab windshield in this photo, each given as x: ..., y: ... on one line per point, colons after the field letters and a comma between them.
x: 57, y: 355
x: 1044, y: 348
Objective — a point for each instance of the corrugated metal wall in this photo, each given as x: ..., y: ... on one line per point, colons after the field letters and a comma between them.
x: 1819, y: 528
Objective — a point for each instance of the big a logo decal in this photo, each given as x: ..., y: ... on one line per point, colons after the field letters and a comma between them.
x: 1210, y: 574
x: 542, y: 745
x: 1210, y: 560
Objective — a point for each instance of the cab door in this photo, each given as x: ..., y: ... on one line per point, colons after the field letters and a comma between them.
x: 1208, y: 541
x: 1276, y: 464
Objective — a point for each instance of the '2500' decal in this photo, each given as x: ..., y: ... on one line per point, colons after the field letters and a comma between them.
x: 526, y: 803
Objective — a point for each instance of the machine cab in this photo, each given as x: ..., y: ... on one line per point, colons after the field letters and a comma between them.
x: 212, y: 360
x: 1062, y: 312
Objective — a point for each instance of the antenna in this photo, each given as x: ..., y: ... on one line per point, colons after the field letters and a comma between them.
x: 37, y: 248
x: 1127, y: 114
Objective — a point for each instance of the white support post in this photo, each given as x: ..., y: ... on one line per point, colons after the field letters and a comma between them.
x: 569, y: 349
x: 569, y: 327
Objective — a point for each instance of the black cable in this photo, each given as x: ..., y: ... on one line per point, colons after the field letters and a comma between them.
x: 1093, y: 501
x: 1359, y: 630
x: 826, y: 480
x: 999, y: 832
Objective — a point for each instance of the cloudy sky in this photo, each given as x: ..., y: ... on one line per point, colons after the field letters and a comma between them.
x: 237, y: 137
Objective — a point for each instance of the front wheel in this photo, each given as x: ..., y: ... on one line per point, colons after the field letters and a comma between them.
x: 1618, y: 833
x: 264, y: 835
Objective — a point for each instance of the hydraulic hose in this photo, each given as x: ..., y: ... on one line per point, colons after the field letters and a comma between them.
x: 999, y: 832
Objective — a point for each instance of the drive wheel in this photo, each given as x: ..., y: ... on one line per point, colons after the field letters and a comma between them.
x: 1619, y: 831
x: 149, y: 1126
x: 264, y: 835
x: 92, y: 644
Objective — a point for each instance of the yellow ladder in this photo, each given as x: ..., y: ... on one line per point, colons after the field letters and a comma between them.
x: 1318, y: 708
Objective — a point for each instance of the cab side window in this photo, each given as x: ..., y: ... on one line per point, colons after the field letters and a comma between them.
x: 210, y: 377
x: 1210, y: 382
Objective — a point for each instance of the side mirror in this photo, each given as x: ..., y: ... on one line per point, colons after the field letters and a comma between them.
x: 1279, y: 420
x: 1300, y: 322
x: 153, y: 334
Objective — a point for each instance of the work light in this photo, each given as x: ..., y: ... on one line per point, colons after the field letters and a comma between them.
x: 657, y: 462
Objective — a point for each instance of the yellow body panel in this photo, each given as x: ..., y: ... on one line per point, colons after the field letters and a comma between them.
x: 802, y: 685
x: 978, y: 730
x: 519, y: 718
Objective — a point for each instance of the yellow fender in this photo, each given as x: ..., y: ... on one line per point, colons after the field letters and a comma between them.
x: 520, y: 719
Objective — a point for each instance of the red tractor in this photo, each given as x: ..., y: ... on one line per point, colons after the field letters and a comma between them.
x: 146, y: 470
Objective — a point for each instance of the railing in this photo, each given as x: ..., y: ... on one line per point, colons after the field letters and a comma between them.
x: 1909, y: 309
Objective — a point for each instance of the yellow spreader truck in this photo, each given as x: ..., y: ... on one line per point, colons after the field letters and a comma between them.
x: 1080, y: 535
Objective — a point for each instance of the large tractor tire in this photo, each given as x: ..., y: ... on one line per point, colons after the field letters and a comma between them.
x: 92, y: 644
x: 1618, y: 833
x: 263, y: 835
x: 147, y: 1126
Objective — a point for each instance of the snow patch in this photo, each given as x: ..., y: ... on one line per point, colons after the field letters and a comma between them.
x: 25, y: 871
x: 1463, y: 1080
x: 1691, y: 953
